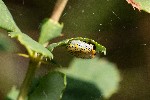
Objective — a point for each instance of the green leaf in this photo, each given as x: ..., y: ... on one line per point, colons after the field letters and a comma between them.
x: 96, y: 71
x: 50, y: 87
x: 7, y: 22
x: 6, y: 19
x: 80, y: 90
x: 31, y: 45
x: 54, y: 45
x: 140, y: 4
x: 99, y: 48
x: 49, y: 30
x: 13, y: 94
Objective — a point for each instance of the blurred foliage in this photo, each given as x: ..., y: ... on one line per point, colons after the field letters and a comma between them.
x: 103, y: 74
x: 12, y: 95
x: 50, y: 87
x: 81, y: 90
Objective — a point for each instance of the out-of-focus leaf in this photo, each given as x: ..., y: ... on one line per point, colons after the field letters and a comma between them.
x: 49, y: 30
x: 13, y: 94
x: 6, y: 19
x: 80, y: 90
x: 140, y: 4
x: 31, y: 45
x: 100, y: 72
x: 99, y: 48
x: 50, y: 87
x: 5, y: 44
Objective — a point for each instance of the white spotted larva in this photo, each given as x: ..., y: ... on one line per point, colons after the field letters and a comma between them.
x: 81, y: 49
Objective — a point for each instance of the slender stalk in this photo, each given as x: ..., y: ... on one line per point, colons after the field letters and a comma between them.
x: 57, y: 12
x: 58, y: 9
x: 33, y: 65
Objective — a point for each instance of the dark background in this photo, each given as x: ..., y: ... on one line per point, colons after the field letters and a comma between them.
x: 114, y: 23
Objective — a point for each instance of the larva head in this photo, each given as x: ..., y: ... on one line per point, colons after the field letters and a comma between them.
x: 81, y: 49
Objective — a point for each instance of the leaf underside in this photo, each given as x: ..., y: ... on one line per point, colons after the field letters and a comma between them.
x: 103, y: 74
x: 50, y: 87
x: 99, y: 47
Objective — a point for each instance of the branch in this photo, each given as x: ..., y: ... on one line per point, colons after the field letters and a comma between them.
x: 58, y: 9
x: 33, y: 65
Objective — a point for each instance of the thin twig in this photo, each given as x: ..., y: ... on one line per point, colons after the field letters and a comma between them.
x: 33, y: 65
x: 58, y: 9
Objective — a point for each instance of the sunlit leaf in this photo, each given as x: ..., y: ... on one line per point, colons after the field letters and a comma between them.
x: 50, y: 87
x: 31, y: 45
x: 49, y: 30
x: 6, y: 19
x: 13, y: 94
x: 96, y: 71
x: 140, y: 4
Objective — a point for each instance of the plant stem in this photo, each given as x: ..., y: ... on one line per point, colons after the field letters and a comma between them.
x: 58, y: 9
x: 33, y: 65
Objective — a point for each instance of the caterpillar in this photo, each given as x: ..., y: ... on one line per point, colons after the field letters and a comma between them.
x: 81, y: 49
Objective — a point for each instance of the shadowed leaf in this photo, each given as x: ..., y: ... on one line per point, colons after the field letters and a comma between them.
x: 99, y: 72
x: 50, y: 87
